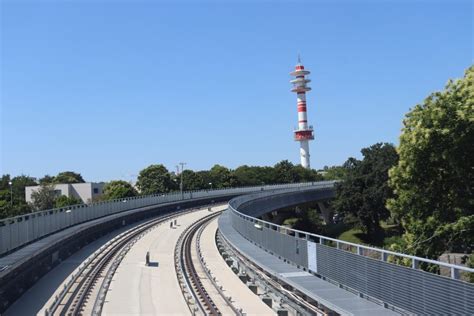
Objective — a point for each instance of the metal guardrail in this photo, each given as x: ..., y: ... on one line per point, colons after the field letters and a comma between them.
x: 18, y: 231
x: 367, y: 271
x: 362, y: 250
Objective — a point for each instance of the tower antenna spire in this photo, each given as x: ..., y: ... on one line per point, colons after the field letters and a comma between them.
x: 304, y: 132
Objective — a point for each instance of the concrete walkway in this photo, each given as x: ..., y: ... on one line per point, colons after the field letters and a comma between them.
x: 330, y: 295
x: 140, y: 290
x: 241, y: 295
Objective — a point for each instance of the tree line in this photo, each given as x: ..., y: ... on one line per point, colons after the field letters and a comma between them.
x: 157, y: 178
x: 154, y: 179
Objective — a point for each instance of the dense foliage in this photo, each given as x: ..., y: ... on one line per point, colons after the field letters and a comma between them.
x: 63, y: 201
x: 334, y: 173
x: 62, y: 177
x: 155, y: 179
x: 364, y: 192
x: 43, y: 198
x: 118, y: 190
x: 434, y: 179
x: 12, y: 198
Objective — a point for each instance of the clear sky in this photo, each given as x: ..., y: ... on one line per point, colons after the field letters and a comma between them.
x: 106, y: 88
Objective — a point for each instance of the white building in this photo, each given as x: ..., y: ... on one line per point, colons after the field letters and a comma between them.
x: 87, y: 192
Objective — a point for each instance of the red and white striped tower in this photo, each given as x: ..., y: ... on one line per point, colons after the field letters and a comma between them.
x: 304, y: 133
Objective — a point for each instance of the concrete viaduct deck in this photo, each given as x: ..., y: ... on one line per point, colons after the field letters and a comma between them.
x: 361, y: 272
x: 345, y: 278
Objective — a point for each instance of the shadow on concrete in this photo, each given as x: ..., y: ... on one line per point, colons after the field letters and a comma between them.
x: 33, y: 300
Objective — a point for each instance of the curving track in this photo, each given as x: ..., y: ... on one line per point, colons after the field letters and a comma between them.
x: 202, y: 293
x: 139, y: 289
x: 94, y: 276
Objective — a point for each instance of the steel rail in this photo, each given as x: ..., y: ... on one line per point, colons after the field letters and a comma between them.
x: 185, y: 268
x: 83, y: 282
x: 208, y: 272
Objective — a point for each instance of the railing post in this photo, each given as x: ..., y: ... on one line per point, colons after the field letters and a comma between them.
x: 359, y: 251
x: 414, y: 263
x: 454, y: 273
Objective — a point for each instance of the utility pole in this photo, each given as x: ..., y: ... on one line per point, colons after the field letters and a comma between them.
x: 11, y: 193
x: 181, y: 183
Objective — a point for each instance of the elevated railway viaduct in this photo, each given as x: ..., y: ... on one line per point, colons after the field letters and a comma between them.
x: 315, y: 261
x: 341, y: 277
x: 33, y: 244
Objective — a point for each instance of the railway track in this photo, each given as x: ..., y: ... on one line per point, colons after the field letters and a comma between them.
x: 85, y: 292
x: 191, y: 273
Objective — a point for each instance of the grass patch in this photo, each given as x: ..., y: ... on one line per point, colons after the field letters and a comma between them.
x: 335, y: 230
x: 354, y: 235
x: 290, y: 221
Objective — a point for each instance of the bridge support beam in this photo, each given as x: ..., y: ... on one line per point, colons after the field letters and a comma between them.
x: 326, y: 212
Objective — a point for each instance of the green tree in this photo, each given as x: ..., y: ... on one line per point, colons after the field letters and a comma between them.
x: 285, y: 172
x: 118, y: 190
x: 5, y: 196
x: 205, y: 175
x: 221, y: 177
x: 47, y: 179
x: 155, y: 179
x: 63, y: 201
x: 19, y: 183
x: 434, y: 179
x: 364, y: 192
x: 334, y: 173
x: 193, y: 180
x: 44, y: 198
x: 68, y: 177
x: 246, y: 176
x: 310, y: 221
x: 254, y: 175
x: 302, y: 174
x: 18, y: 205
x: 265, y: 175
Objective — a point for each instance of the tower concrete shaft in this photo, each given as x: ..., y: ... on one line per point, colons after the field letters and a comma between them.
x: 304, y: 132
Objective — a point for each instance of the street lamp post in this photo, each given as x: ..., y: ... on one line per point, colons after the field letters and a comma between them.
x: 181, y: 183
x: 210, y: 184
x: 11, y: 192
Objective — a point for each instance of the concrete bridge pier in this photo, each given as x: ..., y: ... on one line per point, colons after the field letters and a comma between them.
x: 326, y: 212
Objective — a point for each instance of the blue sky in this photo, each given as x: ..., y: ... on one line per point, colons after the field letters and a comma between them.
x: 107, y: 88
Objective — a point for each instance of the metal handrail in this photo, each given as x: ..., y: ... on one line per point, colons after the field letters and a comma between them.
x: 384, y: 253
x: 21, y: 230
x: 142, y: 197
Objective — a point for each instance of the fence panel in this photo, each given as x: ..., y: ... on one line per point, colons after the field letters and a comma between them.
x: 406, y: 288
